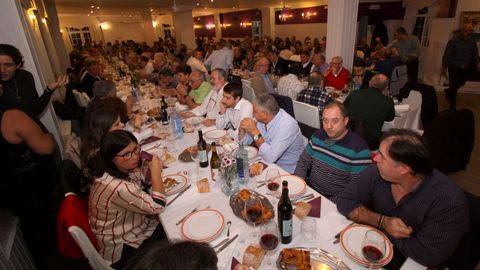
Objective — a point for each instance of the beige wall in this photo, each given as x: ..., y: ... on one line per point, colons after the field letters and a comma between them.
x: 313, y: 30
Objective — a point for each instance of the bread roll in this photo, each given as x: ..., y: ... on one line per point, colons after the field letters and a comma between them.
x: 253, y: 256
x: 302, y: 210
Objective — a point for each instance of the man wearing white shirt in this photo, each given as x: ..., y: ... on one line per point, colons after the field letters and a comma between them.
x: 221, y: 58
x: 211, y: 104
x: 195, y: 62
x: 233, y: 108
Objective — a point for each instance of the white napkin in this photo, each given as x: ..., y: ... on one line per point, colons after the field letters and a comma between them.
x: 402, y: 107
x: 144, y: 133
x: 235, y: 249
x: 328, y: 226
x: 180, y: 107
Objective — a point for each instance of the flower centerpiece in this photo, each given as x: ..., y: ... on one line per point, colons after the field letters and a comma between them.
x: 228, y: 171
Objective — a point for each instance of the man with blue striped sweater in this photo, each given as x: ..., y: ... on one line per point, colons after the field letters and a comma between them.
x: 334, y: 155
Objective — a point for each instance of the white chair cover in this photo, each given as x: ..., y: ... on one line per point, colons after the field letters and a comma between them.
x: 414, y: 99
x: 81, y: 101
x: 306, y: 114
x: 94, y: 259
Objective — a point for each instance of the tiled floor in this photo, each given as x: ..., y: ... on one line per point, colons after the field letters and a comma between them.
x: 470, y: 178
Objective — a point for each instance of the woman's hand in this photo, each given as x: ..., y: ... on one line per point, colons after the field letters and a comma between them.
x: 156, y: 167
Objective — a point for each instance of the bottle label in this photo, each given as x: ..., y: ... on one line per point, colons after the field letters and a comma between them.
x: 240, y: 168
x: 286, y: 228
x: 202, y: 156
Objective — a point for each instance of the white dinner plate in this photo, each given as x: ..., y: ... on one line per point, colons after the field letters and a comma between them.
x: 196, y: 120
x: 182, y: 183
x: 252, y: 152
x: 351, y: 242
x: 215, y: 134
x: 296, y: 185
x: 202, y: 226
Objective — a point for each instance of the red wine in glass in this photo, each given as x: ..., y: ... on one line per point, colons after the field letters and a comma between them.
x: 254, y: 214
x: 269, y: 241
x: 372, y: 254
x: 273, y: 186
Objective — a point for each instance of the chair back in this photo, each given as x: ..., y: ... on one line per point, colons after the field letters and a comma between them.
x: 94, y: 259
x: 248, y: 92
x: 306, y: 114
x: 81, y: 100
x: 399, y: 79
x: 285, y: 103
x: 75, y: 237
x: 414, y: 99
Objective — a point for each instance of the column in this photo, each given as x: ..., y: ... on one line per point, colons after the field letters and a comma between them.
x: 148, y: 31
x: 54, y: 28
x: 218, y: 29
x: 268, y: 22
x: 17, y: 32
x: 183, y: 24
x: 342, y: 30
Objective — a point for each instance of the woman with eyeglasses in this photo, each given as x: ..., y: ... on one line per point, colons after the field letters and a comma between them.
x: 123, y: 217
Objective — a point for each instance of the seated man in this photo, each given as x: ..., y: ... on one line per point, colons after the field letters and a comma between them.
x: 262, y: 82
x: 422, y: 211
x: 334, y: 155
x: 211, y: 104
x: 306, y: 63
x: 319, y: 64
x: 233, y: 108
x: 145, y: 66
x: 91, y: 75
x: 289, y: 85
x: 337, y: 76
x: 278, y: 65
x: 196, y: 63
x: 199, y: 90
x: 372, y: 107
x: 167, y: 79
x: 275, y: 133
x: 314, y: 94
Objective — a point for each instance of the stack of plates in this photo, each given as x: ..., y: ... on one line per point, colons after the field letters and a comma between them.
x: 202, y: 226
x: 182, y: 181
x: 296, y: 185
x: 351, y: 241
x: 215, y: 134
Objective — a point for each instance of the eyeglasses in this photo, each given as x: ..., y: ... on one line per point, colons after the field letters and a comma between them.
x: 128, y: 155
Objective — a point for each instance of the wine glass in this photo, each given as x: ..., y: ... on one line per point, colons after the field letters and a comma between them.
x: 373, y: 247
x: 269, y: 239
x: 272, y: 185
x: 253, y: 212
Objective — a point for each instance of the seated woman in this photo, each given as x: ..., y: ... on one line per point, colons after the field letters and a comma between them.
x: 103, y: 120
x: 28, y: 179
x: 123, y: 217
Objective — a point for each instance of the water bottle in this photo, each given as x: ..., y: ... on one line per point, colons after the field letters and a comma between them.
x: 177, y: 125
x: 242, y: 165
x: 356, y: 86
x: 134, y: 90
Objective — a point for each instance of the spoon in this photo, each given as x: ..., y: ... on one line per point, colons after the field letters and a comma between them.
x: 229, y: 223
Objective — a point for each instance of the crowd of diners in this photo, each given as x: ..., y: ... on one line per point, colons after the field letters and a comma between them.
x: 383, y: 179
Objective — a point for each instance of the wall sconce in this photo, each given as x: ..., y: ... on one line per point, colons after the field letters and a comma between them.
x: 245, y: 24
x: 154, y: 24
x: 308, y: 15
x: 225, y: 25
x: 210, y: 26
x: 284, y: 16
x: 197, y: 26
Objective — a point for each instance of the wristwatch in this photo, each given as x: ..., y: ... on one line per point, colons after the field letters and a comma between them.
x: 257, y: 137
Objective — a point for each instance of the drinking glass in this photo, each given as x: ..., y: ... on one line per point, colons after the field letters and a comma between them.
x: 269, y: 239
x: 373, y: 247
x: 272, y: 185
x: 309, y: 229
x: 253, y: 212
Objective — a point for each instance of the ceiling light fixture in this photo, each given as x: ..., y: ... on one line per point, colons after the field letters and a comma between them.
x: 198, y: 4
x: 151, y: 10
x: 92, y: 6
x: 98, y: 7
x: 284, y: 15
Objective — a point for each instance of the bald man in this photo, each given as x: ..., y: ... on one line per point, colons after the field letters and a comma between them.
x: 262, y: 82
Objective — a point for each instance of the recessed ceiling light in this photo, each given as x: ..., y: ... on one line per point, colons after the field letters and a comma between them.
x: 98, y: 7
x: 130, y: 15
x: 211, y: 1
x: 198, y: 4
x: 91, y: 11
x: 233, y: 7
x: 151, y: 10
x: 88, y: 15
x: 92, y: 6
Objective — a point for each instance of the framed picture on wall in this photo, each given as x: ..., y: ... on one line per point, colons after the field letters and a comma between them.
x: 472, y: 17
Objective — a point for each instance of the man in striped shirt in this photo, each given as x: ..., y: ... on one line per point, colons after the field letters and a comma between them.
x: 422, y: 211
x: 334, y: 155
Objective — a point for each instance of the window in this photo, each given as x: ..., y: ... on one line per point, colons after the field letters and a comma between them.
x: 79, y: 36
x: 422, y: 27
x: 167, y: 30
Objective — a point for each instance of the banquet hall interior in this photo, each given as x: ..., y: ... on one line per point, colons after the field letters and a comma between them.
x: 50, y: 33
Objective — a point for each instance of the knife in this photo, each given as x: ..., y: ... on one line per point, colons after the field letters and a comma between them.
x: 178, y: 195
x: 227, y: 244
x: 221, y: 243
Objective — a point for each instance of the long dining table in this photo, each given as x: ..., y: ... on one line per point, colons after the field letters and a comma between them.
x: 328, y: 225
